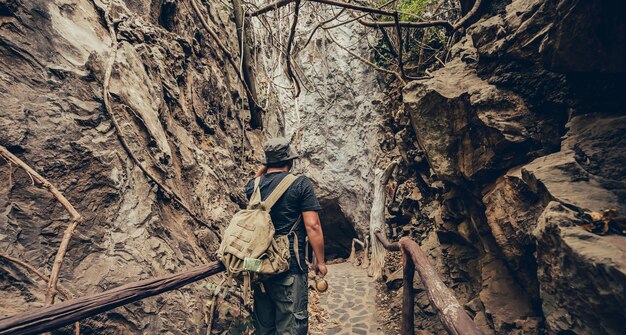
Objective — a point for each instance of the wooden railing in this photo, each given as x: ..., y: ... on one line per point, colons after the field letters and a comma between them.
x: 54, y: 316
x: 452, y: 315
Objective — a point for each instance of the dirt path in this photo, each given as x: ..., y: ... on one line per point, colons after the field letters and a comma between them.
x: 349, y: 305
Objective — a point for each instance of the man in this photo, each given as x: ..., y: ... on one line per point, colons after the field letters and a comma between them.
x: 280, y: 303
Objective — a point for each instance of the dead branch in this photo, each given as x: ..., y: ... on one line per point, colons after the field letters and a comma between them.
x: 319, y: 25
x: 63, y: 291
x: 76, y: 219
x: 292, y: 35
x: 355, y: 7
x: 452, y: 315
x: 270, y: 7
x: 387, y: 41
x: 282, y: 3
x: 41, y: 180
x: 118, y: 129
x: 420, y: 57
x: 360, y: 16
x: 396, y: 20
x: 368, y: 10
x: 365, y: 264
x: 377, y: 220
x: 467, y: 16
x: 374, y: 66
x: 406, y: 24
x: 216, y: 39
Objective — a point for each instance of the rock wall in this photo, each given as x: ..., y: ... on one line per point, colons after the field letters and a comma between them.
x: 179, y: 108
x: 506, y: 148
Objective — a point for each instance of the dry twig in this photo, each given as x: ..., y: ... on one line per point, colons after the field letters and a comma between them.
x: 63, y: 291
x: 374, y: 66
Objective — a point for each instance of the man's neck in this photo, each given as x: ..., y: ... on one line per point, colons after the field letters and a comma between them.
x: 281, y: 169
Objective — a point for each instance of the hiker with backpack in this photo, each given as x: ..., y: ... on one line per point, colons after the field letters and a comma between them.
x: 264, y: 245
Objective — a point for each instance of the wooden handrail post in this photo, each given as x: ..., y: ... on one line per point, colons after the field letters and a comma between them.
x: 452, y: 315
x: 408, y: 301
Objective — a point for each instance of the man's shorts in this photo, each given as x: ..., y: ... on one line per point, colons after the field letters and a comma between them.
x: 282, y: 308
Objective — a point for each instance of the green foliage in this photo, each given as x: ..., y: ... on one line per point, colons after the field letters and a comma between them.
x: 415, y: 7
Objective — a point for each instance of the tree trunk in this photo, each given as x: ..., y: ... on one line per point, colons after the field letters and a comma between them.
x: 377, y: 220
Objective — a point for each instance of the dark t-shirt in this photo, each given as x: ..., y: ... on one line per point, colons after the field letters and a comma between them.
x: 298, y: 198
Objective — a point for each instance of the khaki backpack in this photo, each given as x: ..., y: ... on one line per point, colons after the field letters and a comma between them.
x: 249, y: 248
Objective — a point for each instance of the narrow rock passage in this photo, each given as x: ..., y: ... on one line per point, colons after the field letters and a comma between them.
x: 350, y: 301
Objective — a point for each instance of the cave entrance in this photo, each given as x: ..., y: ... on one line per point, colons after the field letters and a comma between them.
x: 338, y: 230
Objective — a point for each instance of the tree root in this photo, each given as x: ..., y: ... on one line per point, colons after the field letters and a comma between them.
x: 69, y: 231
x: 255, y: 108
x: 171, y: 194
x: 292, y: 35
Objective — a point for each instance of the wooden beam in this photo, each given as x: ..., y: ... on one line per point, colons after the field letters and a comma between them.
x: 51, y: 317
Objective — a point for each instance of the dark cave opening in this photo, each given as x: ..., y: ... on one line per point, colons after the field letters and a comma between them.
x: 338, y: 230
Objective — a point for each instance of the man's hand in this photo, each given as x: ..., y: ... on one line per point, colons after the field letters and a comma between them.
x: 320, y: 269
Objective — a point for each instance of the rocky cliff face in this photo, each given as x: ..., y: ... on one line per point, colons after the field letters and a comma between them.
x: 523, y: 130
x: 179, y: 108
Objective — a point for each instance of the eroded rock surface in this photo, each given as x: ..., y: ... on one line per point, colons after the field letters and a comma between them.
x: 582, y: 275
x: 521, y: 139
x: 178, y: 106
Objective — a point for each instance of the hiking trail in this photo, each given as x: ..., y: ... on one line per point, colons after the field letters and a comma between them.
x: 349, y: 303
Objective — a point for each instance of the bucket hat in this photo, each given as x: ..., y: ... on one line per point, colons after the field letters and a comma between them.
x: 278, y: 149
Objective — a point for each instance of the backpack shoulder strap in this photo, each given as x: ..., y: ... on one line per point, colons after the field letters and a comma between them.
x: 256, y: 193
x: 279, y: 191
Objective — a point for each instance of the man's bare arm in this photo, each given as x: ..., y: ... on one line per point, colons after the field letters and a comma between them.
x: 316, y: 238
